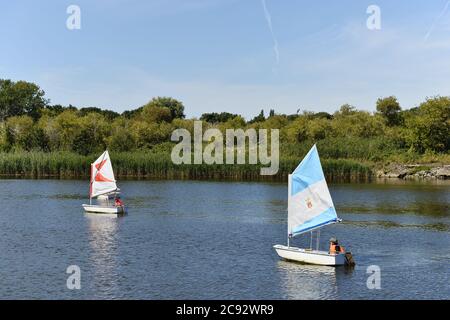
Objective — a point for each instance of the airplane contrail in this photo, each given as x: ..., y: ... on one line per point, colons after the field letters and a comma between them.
x: 437, y: 20
x: 269, y: 23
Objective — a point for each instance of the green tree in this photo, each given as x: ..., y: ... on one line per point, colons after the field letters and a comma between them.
x: 390, y: 109
x: 151, y: 113
x: 129, y: 114
x: 108, y: 114
x: 20, y: 98
x: 357, y: 124
x: 24, y: 135
x: 215, y: 117
x: 122, y: 138
x: 235, y: 123
x: 66, y: 127
x: 322, y: 115
x: 187, y: 124
x: 47, y: 124
x: 18, y: 131
x: 176, y: 107
x: 92, y: 134
x: 429, y: 129
x: 259, y: 118
x: 3, y: 137
x: 296, y: 131
x: 346, y: 110
x: 150, y: 134
x: 275, y: 122
x: 36, y: 139
x: 319, y: 129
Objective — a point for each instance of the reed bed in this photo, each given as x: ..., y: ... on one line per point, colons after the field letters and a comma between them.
x: 159, y: 166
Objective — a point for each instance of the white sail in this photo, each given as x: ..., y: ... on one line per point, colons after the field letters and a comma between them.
x: 309, y: 203
x: 102, y: 176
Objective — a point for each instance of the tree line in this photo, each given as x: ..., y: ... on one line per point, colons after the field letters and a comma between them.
x: 29, y: 122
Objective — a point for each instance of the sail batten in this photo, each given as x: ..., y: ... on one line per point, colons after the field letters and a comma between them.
x: 102, y: 176
x: 309, y: 202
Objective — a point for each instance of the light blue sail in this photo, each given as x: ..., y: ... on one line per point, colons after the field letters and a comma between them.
x: 310, y: 203
x: 308, y: 172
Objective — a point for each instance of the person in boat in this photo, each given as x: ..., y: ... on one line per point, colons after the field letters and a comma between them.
x: 335, y: 248
x: 118, y: 202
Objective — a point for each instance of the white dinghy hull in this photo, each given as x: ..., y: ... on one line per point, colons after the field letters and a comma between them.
x: 103, y: 209
x: 310, y: 256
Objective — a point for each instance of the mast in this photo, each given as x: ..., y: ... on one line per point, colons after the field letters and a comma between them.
x: 289, y: 193
x: 318, y: 240
x: 90, y: 185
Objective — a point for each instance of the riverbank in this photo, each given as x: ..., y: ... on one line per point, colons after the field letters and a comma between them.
x: 158, y: 165
x: 415, y: 171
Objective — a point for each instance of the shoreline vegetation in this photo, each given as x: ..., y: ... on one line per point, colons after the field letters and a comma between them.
x: 38, y: 139
x: 159, y: 166
x: 139, y: 165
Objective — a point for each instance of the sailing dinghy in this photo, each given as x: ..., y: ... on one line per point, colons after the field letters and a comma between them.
x: 103, y: 187
x: 310, y: 208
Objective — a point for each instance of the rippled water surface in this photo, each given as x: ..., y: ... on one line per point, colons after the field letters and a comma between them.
x: 213, y: 240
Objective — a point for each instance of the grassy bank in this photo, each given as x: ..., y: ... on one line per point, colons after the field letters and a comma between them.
x: 159, y: 166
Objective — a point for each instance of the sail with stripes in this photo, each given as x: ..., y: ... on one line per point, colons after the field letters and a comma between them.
x: 102, y: 176
x: 309, y: 203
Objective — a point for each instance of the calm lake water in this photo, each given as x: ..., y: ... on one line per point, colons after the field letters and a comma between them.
x: 213, y: 240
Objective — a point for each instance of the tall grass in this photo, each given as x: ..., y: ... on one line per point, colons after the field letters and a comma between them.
x: 160, y: 166
x: 363, y: 149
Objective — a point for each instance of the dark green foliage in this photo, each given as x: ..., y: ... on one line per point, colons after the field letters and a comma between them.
x: 215, y: 117
x: 390, y: 109
x: 36, y: 139
x: 108, y: 114
x: 430, y: 127
x: 54, y: 110
x: 346, y: 110
x: 322, y: 115
x: 122, y: 140
x: 128, y: 114
x: 259, y: 118
x: 176, y: 107
x: 84, y: 144
x: 20, y: 98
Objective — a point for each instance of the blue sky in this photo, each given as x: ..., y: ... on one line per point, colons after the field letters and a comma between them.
x: 219, y: 55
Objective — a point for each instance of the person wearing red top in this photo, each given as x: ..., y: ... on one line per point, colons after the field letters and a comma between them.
x: 118, y: 202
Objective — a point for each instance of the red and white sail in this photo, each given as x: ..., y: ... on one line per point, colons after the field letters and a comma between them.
x: 102, y: 176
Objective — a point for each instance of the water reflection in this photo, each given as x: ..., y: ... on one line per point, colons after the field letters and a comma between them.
x: 103, y: 242
x: 301, y: 281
